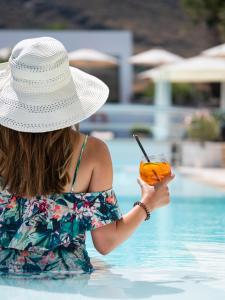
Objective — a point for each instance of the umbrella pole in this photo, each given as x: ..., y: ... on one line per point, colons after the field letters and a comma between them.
x: 163, y: 102
x: 222, y: 95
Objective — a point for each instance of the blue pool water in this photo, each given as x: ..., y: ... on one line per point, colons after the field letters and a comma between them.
x: 178, y: 254
x: 196, y: 214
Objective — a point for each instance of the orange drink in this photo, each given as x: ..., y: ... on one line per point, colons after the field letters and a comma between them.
x: 154, y: 171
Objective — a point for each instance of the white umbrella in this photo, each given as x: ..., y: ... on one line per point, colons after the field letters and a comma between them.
x: 162, y: 88
x: 5, y: 53
x: 91, y: 58
x: 196, y: 69
x: 218, y: 51
x: 154, y: 57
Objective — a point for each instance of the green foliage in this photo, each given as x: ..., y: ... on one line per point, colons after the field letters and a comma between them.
x: 182, y: 93
x: 219, y: 116
x: 146, y: 95
x: 191, y: 94
x: 141, y: 130
x: 203, y: 127
x: 149, y: 91
x: 212, y: 12
x: 56, y: 26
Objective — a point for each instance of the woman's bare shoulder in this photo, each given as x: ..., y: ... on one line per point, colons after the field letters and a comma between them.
x: 98, y: 147
x: 102, y: 165
x: 95, y: 148
x: 97, y: 142
x: 93, y: 141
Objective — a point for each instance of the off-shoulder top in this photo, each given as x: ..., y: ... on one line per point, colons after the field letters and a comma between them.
x: 46, y: 234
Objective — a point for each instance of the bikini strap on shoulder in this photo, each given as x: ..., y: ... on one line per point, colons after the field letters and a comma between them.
x: 79, y: 159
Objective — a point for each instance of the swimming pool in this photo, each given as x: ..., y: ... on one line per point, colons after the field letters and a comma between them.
x: 178, y: 254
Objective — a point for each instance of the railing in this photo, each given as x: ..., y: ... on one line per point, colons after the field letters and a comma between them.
x: 164, y: 122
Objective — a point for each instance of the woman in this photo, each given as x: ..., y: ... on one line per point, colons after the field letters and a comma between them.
x: 46, y: 205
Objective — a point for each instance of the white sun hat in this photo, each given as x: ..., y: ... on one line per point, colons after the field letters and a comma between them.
x: 40, y: 92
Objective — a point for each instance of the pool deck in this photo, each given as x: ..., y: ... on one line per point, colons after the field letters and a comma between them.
x: 212, y: 176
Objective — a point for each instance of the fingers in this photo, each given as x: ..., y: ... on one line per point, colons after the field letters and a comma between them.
x: 140, y: 181
x: 165, y: 190
x: 167, y: 179
x: 164, y: 182
x: 167, y: 200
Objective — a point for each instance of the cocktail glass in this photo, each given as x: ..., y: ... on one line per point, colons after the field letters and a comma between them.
x: 154, y: 170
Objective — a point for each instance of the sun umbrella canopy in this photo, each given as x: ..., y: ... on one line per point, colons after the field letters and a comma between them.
x: 218, y: 51
x: 196, y: 69
x: 154, y: 57
x: 5, y: 53
x: 91, y: 58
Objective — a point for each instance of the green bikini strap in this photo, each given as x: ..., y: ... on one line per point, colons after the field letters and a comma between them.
x: 79, y: 159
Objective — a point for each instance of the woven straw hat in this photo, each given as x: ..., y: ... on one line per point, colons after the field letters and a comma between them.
x: 40, y: 92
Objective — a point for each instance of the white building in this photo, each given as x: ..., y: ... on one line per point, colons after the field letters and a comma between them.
x: 116, y: 43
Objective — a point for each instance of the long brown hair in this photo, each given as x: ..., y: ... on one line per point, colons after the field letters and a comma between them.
x: 35, y: 163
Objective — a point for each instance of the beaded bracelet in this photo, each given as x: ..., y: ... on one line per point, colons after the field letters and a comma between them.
x: 145, y: 208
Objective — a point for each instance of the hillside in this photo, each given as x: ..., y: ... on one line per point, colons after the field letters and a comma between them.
x: 161, y: 23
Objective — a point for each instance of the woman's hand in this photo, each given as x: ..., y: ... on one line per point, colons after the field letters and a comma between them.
x: 155, y: 196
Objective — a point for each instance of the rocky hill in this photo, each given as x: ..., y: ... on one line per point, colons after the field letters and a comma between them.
x: 161, y: 23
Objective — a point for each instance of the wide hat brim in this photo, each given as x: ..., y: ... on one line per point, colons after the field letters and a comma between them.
x: 38, y: 111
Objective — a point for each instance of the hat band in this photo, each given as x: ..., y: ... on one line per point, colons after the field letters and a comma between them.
x: 41, y: 86
x: 41, y: 108
x: 28, y: 74
x: 20, y: 66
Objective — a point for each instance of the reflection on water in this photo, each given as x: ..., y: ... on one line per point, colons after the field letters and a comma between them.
x: 102, y: 284
x: 109, y: 282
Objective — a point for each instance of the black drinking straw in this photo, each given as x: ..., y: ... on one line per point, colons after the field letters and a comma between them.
x: 142, y: 148
x: 145, y: 154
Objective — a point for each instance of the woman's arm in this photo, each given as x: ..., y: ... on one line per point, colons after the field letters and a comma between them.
x: 107, y: 237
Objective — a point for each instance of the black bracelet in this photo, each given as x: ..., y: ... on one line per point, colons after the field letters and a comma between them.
x: 145, y: 208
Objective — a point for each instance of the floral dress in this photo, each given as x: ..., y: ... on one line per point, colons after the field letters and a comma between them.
x: 47, y: 234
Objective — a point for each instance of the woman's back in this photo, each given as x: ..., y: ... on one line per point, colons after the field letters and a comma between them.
x: 94, y: 155
x: 81, y: 151
x: 46, y: 234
